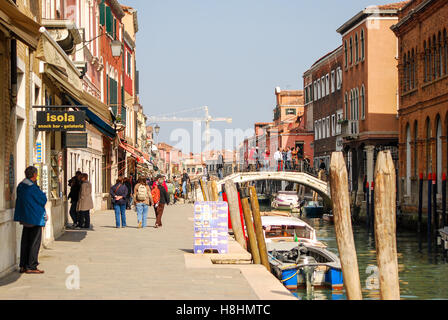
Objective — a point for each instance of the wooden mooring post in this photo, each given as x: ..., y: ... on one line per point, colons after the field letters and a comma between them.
x: 259, y: 228
x: 385, y: 226
x: 250, y: 230
x: 343, y: 226
x: 234, y: 209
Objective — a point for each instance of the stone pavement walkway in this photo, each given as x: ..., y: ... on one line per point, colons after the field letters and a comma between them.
x: 133, y: 263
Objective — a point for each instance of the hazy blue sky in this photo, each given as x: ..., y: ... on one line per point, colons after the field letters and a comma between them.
x: 231, y: 54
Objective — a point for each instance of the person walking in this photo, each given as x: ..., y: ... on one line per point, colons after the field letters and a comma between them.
x: 278, y: 159
x: 30, y: 212
x: 162, y: 201
x: 284, y: 156
x: 143, y: 200
x: 170, y: 186
x: 75, y: 187
x: 119, y: 192
x: 267, y: 156
x: 85, y: 202
x: 128, y: 184
x: 288, y: 159
x: 220, y: 165
x: 185, y: 179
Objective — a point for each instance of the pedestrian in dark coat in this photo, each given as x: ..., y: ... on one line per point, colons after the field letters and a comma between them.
x: 30, y: 212
x: 118, y: 193
x: 128, y: 184
x: 75, y: 187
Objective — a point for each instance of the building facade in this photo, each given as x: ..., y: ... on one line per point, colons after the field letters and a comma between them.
x: 423, y: 87
x: 323, y: 93
x: 370, y: 84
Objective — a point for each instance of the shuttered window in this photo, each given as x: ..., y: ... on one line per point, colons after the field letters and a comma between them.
x: 102, y: 9
x: 109, y: 21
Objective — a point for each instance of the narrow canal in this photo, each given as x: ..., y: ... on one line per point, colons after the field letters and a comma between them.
x: 423, y: 275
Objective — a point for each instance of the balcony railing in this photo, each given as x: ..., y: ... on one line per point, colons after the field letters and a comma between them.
x: 350, y: 129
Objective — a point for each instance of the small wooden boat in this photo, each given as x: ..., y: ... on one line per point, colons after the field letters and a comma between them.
x: 306, y: 266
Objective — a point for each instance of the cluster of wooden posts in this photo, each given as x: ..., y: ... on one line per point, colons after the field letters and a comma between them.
x: 384, y: 224
x: 252, y: 217
x: 384, y: 214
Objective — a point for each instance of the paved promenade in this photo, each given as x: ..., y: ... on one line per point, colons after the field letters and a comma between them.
x: 133, y: 263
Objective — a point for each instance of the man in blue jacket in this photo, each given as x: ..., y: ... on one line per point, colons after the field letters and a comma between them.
x: 30, y: 212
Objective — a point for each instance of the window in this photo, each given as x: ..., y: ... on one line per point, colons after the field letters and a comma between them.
x: 356, y: 48
x: 339, y: 78
x: 333, y: 81
x: 327, y: 135
x: 425, y: 71
x: 318, y: 89
x: 351, y: 50
x: 345, y: 54
x: 327, y: 84
x: 315, y: 91
x: 445, y: 53
x: 338, y: 125
x: 290, y: 111
x: 363, y: 103
x: 362, y: 45
x: 440, y: 55
x: 129, y: 65
x: 333, y: 125
x: 322, y: 83
x: 315, y: 130
x: 346, y: 105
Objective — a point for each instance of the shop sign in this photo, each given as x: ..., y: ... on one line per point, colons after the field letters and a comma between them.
x: 61, y: 121
x: 76, y: 140
x: 44, y: 181
x: 39, y: 152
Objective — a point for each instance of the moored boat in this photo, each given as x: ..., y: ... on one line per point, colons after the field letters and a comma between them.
x: 286, y: 200
x: 305, y: 266
x: 313, y: 209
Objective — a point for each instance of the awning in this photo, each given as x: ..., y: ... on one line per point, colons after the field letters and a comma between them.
x: 126, y: 147
x: 93, y: 118
x: 25, y: 28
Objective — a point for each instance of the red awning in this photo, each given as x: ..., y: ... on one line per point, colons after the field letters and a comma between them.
x: 136, y: 151
x: 127, y: 148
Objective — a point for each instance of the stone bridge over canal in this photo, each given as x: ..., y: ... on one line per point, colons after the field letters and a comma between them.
x: 321, y: 187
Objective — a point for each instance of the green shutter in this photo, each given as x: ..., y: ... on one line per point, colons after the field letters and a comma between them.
x: 123, y: 108
x: 115, y: 29
x: 102, y: 9
x: 109, y: 21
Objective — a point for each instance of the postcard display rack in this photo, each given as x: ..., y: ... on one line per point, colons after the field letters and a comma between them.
x: 211, y: 227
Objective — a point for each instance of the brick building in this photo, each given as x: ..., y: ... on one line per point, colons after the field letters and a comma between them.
x: 370, y: 84
x: 323, y: 94
x: 423, y: 70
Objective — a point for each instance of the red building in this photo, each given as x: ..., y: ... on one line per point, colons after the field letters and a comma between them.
x: 423, y: 93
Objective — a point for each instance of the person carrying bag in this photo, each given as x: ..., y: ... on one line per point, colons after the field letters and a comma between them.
x: 118, y: 193
x: 143, y: 199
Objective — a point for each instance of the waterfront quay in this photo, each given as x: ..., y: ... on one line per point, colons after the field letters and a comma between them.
x: 138, y: 264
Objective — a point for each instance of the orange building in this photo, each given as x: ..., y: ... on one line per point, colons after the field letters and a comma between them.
x: 423, y: 70
x: 370, y: 84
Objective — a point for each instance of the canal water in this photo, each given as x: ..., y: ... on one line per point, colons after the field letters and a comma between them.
x: 423, y: 275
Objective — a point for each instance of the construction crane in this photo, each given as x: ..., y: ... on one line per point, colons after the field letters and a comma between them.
x: 207, y: 119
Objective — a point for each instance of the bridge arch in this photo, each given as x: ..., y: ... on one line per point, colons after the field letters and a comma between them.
x: 321, y: 187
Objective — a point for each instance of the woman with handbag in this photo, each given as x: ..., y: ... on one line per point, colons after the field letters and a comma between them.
x: 118, y: 193
x: 143, y: 200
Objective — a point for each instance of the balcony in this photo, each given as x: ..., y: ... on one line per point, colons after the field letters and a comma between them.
x: 350, y: 129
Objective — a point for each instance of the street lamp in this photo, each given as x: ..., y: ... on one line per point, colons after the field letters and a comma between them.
x: 157, y: 129
x: 116, y: 48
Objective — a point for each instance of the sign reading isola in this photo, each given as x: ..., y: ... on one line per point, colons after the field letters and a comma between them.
x: 61, y: 121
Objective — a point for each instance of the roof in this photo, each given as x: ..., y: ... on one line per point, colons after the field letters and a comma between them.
x: 285, y: 221
x: 386, y: 9
x: 326, y: 56
x: 394, y: 6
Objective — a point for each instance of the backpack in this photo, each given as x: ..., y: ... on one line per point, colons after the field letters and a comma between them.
x: 141, y: 193
x: 155, y: 194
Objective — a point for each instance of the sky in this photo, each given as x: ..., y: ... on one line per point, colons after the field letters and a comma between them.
x: 229, y: 55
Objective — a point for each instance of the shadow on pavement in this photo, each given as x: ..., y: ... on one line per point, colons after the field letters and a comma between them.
x: 10, y: 278
x: 187, y: 250
x: 73, y: 236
